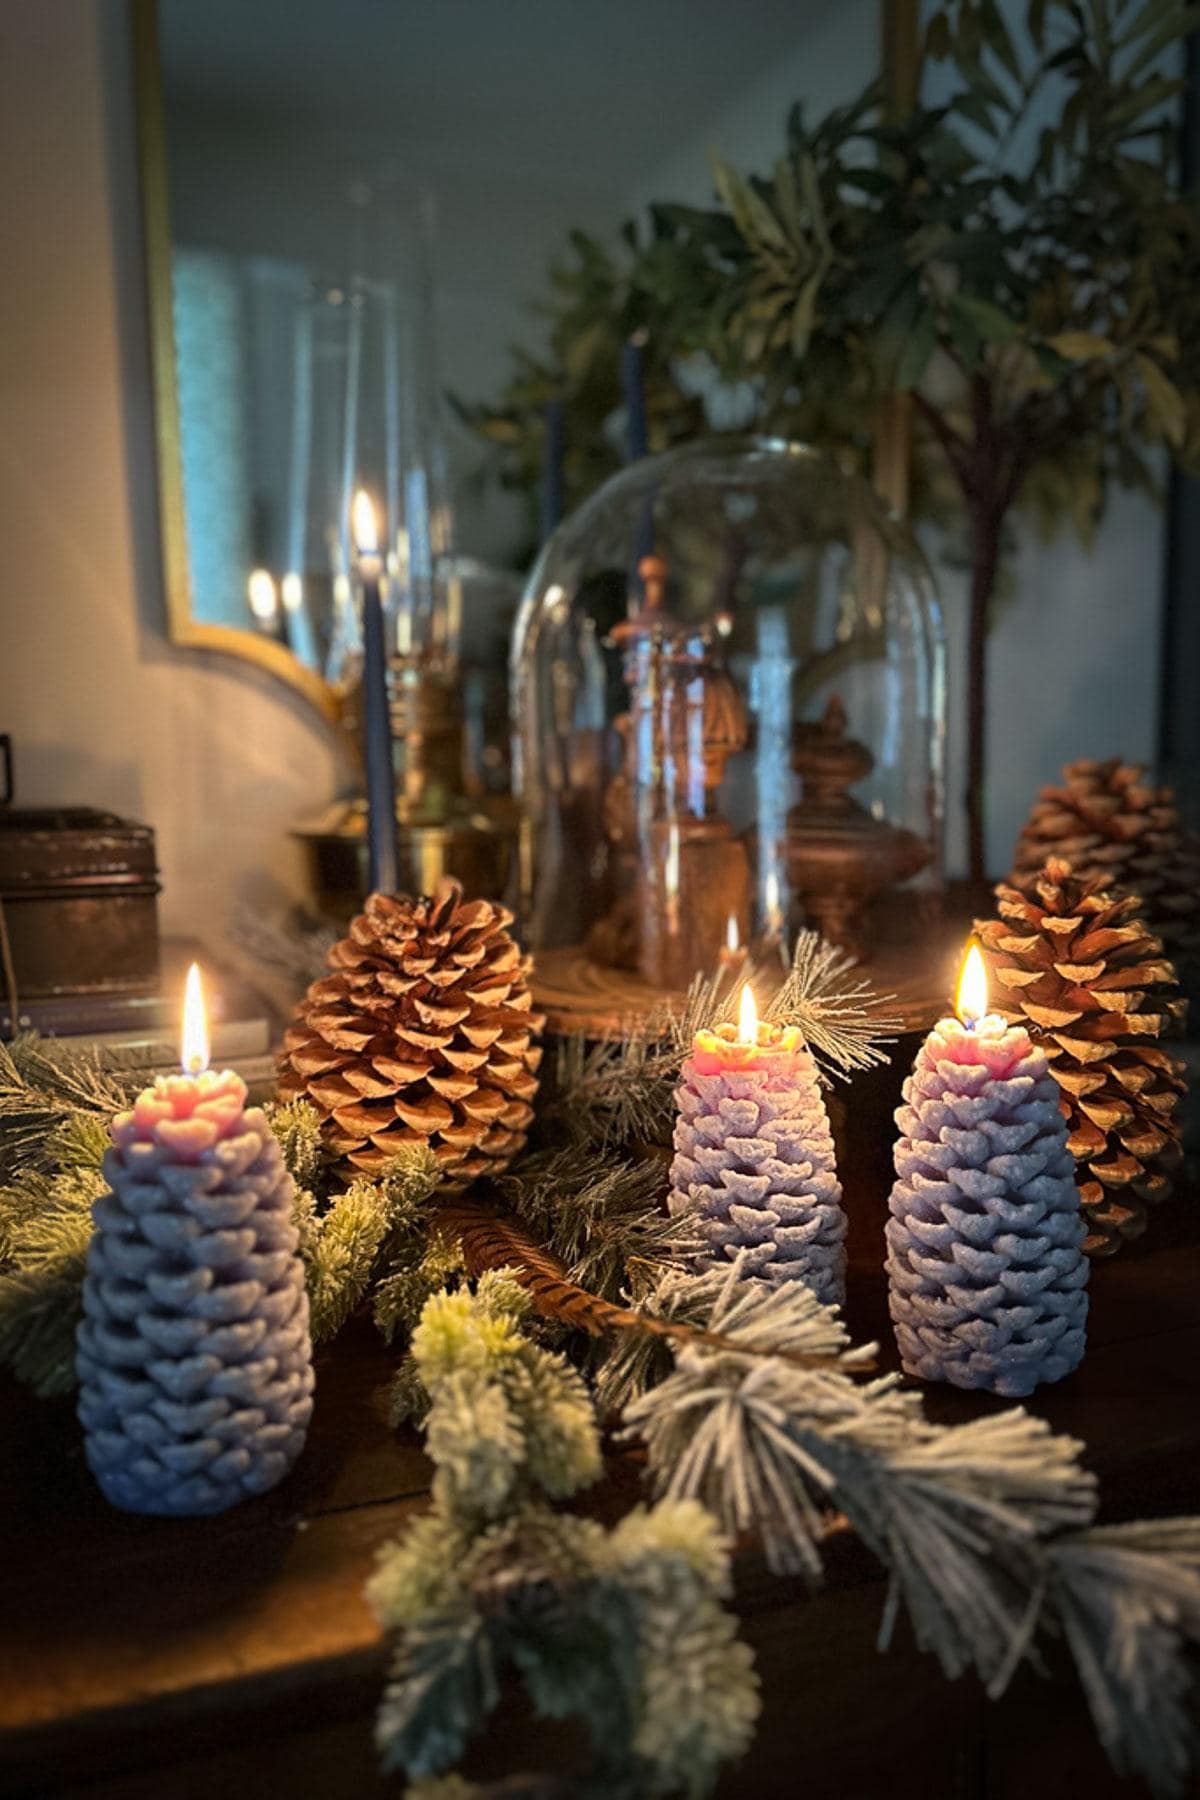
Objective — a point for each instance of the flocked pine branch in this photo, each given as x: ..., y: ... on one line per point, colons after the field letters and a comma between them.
x: 637, y: 1360
x: 773, y: 1447
x: 843, y: 1020
x: 46, y: 1090
x: 1127, y: 1599
x: 601, y: 1215
x: 368, y: 1227
x: 297, y: 1127
x: 45, y: 1229
x: 718, y: 1429
x: 621, y: 1090
x: 626, y: 1630
x: 977, y: 1525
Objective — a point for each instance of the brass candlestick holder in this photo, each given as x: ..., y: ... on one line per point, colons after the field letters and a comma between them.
x: 447, y: 823
x: 839, y: 856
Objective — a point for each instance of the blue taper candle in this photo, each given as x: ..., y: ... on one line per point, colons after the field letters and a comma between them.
x: 382, y: 849
x: 634, y: 388
x: 552, y: 468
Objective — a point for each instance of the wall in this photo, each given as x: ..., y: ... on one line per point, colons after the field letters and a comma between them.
x: 218, y: 758
x: 1075, y: 652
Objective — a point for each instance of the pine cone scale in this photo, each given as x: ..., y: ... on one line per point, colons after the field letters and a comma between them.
x: 423, y: 1032
x: 1109, y: 823
x: 1093, y: 983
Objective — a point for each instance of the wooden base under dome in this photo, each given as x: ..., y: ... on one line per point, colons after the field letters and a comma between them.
x: 914, y: 962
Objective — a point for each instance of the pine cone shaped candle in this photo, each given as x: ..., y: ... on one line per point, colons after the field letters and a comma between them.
x: 1083, y: 970
x: 754, y: 1158
x: 193, y: 1356
x: 422, y: 1033
x: 1110, y: 825
x: 986, y: 1273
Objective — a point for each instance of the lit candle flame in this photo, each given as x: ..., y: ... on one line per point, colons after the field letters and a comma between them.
x: 260, y: 596
x: 366, y: 533
x: 731, y: 933
x: 747, y: 1016
x: 195, y: 1049
x: 970, y: 1002
x: 291, y: 592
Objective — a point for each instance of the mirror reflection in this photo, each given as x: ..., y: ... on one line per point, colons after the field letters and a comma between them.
x: 361, y: 202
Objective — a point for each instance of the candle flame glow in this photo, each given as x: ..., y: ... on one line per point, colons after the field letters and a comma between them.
x: 731, y: 933
x: 260, y: 595
x: 195, y: 1048
x: 366, y: 533
x: 970, y: 1002
x: 291, y: 591
x: 671, y: 862
x: 747, y: 1016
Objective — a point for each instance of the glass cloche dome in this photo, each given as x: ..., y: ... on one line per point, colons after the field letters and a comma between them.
x: 728, y: 696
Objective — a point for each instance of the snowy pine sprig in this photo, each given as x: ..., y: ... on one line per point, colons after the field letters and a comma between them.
x: 621, y: 1090
x: 984, y: 1528
x: 625, y: 1629
x: 372, y: 1233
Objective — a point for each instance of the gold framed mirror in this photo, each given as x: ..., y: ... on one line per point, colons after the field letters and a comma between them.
x: 214, y: 253
x: 184, y: 626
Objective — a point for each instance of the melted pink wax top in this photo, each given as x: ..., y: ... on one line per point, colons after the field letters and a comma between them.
x: 720, y: 1051
x: 184, y: 1115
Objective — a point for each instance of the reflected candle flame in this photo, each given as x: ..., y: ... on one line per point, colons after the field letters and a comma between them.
x: 363, y: 526
x: 261, y: 597
x: 194, y: 1052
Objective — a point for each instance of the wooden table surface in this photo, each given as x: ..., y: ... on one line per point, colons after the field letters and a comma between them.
x: 146, y: 1659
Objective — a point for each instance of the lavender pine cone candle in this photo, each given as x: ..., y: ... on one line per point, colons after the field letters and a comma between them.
x: 754, y: 1157
x: 194, y: 1360
x: 987, y: 1280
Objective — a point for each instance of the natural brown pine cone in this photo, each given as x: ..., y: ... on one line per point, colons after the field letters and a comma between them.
x: 1106, y: 821
x: 1082, y: 969
x: 421, y: 1034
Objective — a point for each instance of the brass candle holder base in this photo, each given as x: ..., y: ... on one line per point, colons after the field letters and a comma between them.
x: 476, y: 847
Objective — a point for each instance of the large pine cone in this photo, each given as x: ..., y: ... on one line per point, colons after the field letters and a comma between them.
x: 421, y: 1034
x: 1107, y: 822
x: 1082, y: 969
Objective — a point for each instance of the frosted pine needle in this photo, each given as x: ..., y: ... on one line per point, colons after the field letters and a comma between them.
x: 623, y: 1088
x: 838, y: 1012
x: 1128, y: 1601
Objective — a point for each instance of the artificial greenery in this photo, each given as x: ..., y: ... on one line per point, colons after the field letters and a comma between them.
x: 620, y: 1091
x: 593, y: 1199
x: 773, y: 1427
x: 370, y: 1239
x: 758, y: 1417
x: 1020, y: 259
x: 601, y: 1215
x: 624, y: 1629
x: 371, y: 1242
x: 985, y: 1528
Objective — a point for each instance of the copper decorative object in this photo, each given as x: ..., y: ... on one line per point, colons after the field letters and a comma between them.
x: 839, y: 855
